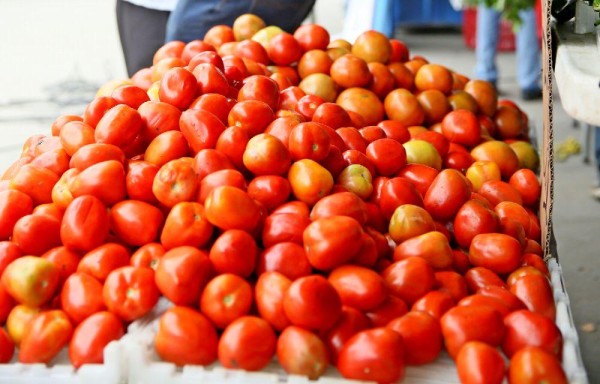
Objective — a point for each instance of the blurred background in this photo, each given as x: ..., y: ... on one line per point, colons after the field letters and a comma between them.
x: 55, y: 54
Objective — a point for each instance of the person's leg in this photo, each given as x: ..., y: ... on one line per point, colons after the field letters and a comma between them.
x: 488, y: 22
x: 142, y: 32
x: 192, y: 18
x: 597, y: 153
x: 528, y: 55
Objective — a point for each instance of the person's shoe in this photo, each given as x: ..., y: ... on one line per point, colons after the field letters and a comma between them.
x: 531, y: 94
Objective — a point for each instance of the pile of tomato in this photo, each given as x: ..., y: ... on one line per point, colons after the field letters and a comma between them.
x: 323, y: 203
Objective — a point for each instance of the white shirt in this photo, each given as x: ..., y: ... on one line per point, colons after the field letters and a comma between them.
x: 160, y: 5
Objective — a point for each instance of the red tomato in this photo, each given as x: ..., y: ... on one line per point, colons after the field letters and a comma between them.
x: 7, y: 347
x: 182, y: 273
x: 81, y: 296
x: 527, y: 184
x: 35, y: 234
x: 270, y: 291
x: 130, y: 292
x: 471, y: 323
x: 398, y: 191
x: 48, y: 332
x: 260, y: 88
x: 481, y: 277
x: 14, y: 205
x: 435, y: 303
x: 452, y: 283
x: 131, y: 95
x: 178, y: 87
x: 147, y: 255
x: 472, y: 219
x: 287, y: 258
x: 252, y: 115
x: 119, y: 126
x: 186, y: 336
x: 234, y: 251
x: 496, y: 191
x: 351, y: 322
x: 270, y: 190
x: 226, y: 298
x: 95, y: 153
x: 528, y: 329
x: 92, y: 336
x: 462, y: 127
x: 495, y: 251
x: 165, y: 147
x: 433, y: 247
x: 340, y: 204
x: 358, y: 287
x: 232, y: 142
x: 388, y: 156
x: 175, y: 182
x: 266, y: 155
x: 482, y: 300
x: 312, y: 302
x: 158, y: 117
x: 421, y: 334
x: 301, y: 352
x: 512, y: 302
x: 136, y: 222
x: 247, y: 343
x: 60, y: 121
x: 186, y: 224
x: 284, y: 49
x: 139, y: 180
x: 37, y: 182
x: 535, y: 292
x: 309, y: 141
x: 96, y: 109
x: 535, y: 365
x: 85, y: 224
x: 214, y: 103
x: 373, y: 355
x: 201, y: 129
x: 220, y: 178
x: 231, y: 208
x: 94, y: 179
x: 332, y: 241
x: 284, y: 227
x: 420, y: 175
x: 210, y: 79
x: 479, y: 363
x: 409, y: 279
x: 447, y: 193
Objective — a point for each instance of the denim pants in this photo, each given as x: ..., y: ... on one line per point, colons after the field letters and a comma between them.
x: 192, y: 18
x: 528, y: 48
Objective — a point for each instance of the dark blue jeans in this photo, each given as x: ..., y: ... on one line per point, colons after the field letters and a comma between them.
x: 192, y: 18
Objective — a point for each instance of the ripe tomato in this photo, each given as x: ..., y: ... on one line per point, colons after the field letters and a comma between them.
x: 358, y: 287
x: 340, y: 204
x: 309, y: 141
x: 119, y: 126
x: 247, y: 343
x: 48, y: 332
x: 60, y: 121
x: 132, y: 95
x: 95, y: 153
x: 332, y: 241
x: 92, y: 336
x: 447, y: 193
x: 94, y: 179
x: 284, y: 227
x: 527, y: 184
x: 37, y: 233
x: 434, y: 303
x: 130, y: 292
x: 81, y: 296
x: 85, y: 224
x: 401, y: 105
x: 220, y: 178
x: 422, y: 336
x: 374, y: 355
x: 432, y: 246
x: 147, y: 255
x: 462, y: 127
x: 136, y: 222
x: 226, y: 298
x: 175, y: 182
x: 312, y: 302
x: 396, y: 192
x: 351, y: 321
x: 534, y: 365
x: 452, y: 283
x: 481, y: 277
x: 200, y: 128
x: 270, y: 190
x: 234, y: 251
x: 462, y: 324
x: 484, y: 94
x: 165, y: 147
x: 350, y: 71
x: 528, y: 329
x: 96, y: 109
x: 498, y: 252
x: 266, y: 155
x: 36, y: 182
x: 218, y: 105
x: 363, y: 102
x: 158, y: 117
x: 270, y: 291
x: 309, y: 181
x: 14, y: 204
x: 252, y: 115
x: 186, y: 336
x: 409, y: 221
x: 500, y: 153
x: 284, y: 49
x: 75, y: 135
x: 301, y: 352
x: 186, y: 224
x: 409, y: 279
x: 220, y: 203
x: 7, y: 347
x: 182, y: 273
x: 478, y: 362
x: 535, y: 291
x: 287, y: 258
x: 388, y: 156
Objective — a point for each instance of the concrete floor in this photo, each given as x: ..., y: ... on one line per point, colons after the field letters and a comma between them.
x: 74, y: 47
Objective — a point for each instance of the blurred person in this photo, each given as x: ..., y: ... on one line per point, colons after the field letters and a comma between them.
x: 142, y: 25
x: 190, y: 19
x: 527, y: 46
x: 596, y: 190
